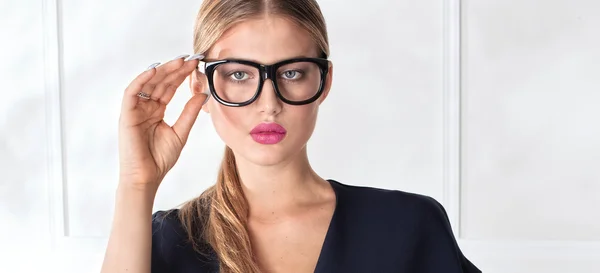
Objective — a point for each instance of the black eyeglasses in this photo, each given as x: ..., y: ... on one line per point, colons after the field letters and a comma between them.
x: 236, y: 83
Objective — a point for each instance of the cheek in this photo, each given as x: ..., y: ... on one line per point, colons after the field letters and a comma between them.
x: 228, y: 121
x: 303, y: 119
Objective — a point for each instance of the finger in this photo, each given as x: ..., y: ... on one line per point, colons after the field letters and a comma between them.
x: 130, y: 98
x: 162, y: 72
x: 186, y: 120
x: 166, y: 89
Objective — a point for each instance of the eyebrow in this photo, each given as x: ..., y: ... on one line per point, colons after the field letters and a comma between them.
x: 236, y: 57
x: 226, y: 53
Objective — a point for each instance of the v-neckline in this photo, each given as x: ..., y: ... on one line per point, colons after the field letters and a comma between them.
x: 327, y: 241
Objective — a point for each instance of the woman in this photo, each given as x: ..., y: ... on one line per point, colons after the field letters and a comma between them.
x: 264, y: 67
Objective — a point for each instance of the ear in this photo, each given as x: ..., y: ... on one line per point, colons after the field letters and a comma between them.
x: 199, y: 85
x: 328, y: 82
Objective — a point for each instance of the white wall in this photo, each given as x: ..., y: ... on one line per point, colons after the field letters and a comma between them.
x: 489, y: 106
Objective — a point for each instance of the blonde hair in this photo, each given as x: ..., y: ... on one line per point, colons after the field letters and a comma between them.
x: 218, y: 217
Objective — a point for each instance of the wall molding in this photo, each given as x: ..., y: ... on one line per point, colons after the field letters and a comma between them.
x: 524, y: 256
x: 452, y: 114
x: 55, y: 153
x: 506, y: 250
x: 488, y: 254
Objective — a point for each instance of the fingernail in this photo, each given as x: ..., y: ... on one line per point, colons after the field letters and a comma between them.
x: 154, y: 65
x: 195, y: 57
x: 181, y: 56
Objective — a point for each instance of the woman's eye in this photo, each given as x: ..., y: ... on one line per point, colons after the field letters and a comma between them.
x: 291, y: 74
x: 239, y: 75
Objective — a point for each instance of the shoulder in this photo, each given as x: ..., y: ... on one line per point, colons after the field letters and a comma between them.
x: 402, y: 221
x: 166, y: 226
x: 167, y: 236
x: 390, y: 201
x: 372, y: 209
x: 172, y: 249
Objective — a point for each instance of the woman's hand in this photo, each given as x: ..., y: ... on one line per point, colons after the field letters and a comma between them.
x: 149, y: 147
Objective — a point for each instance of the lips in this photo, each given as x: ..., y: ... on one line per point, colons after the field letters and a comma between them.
x: 268, y: 133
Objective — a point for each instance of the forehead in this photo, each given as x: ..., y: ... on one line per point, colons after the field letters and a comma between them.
x: 265, y: 40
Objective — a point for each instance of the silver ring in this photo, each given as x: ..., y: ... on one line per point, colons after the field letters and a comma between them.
x: 143, y: 95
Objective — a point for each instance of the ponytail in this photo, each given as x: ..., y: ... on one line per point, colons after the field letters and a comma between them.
x: 219, y: 217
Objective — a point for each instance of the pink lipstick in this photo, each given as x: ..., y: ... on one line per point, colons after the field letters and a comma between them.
x: 268, y: 133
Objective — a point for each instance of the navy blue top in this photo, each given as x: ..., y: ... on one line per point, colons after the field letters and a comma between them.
x: 372, y: 231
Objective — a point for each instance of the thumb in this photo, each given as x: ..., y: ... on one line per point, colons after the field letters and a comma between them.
x: 186, y: 120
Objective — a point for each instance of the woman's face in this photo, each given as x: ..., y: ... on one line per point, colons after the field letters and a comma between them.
x: 266, y: 40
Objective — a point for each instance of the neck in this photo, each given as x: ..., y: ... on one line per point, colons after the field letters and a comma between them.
x: 276, y: 190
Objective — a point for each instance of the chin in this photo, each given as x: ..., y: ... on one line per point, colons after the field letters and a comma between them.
x: 265, y: 160
x: 267, y: 154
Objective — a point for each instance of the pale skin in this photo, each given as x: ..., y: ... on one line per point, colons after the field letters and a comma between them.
x: 290, y: 205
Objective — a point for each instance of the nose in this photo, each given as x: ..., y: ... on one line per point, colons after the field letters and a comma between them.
x: 268, y: 102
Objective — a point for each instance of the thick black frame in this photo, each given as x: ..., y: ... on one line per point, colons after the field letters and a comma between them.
x: 266, y: 72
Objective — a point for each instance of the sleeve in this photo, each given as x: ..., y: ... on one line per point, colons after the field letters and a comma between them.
x: 442, y: 218
x: 164, y: 239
